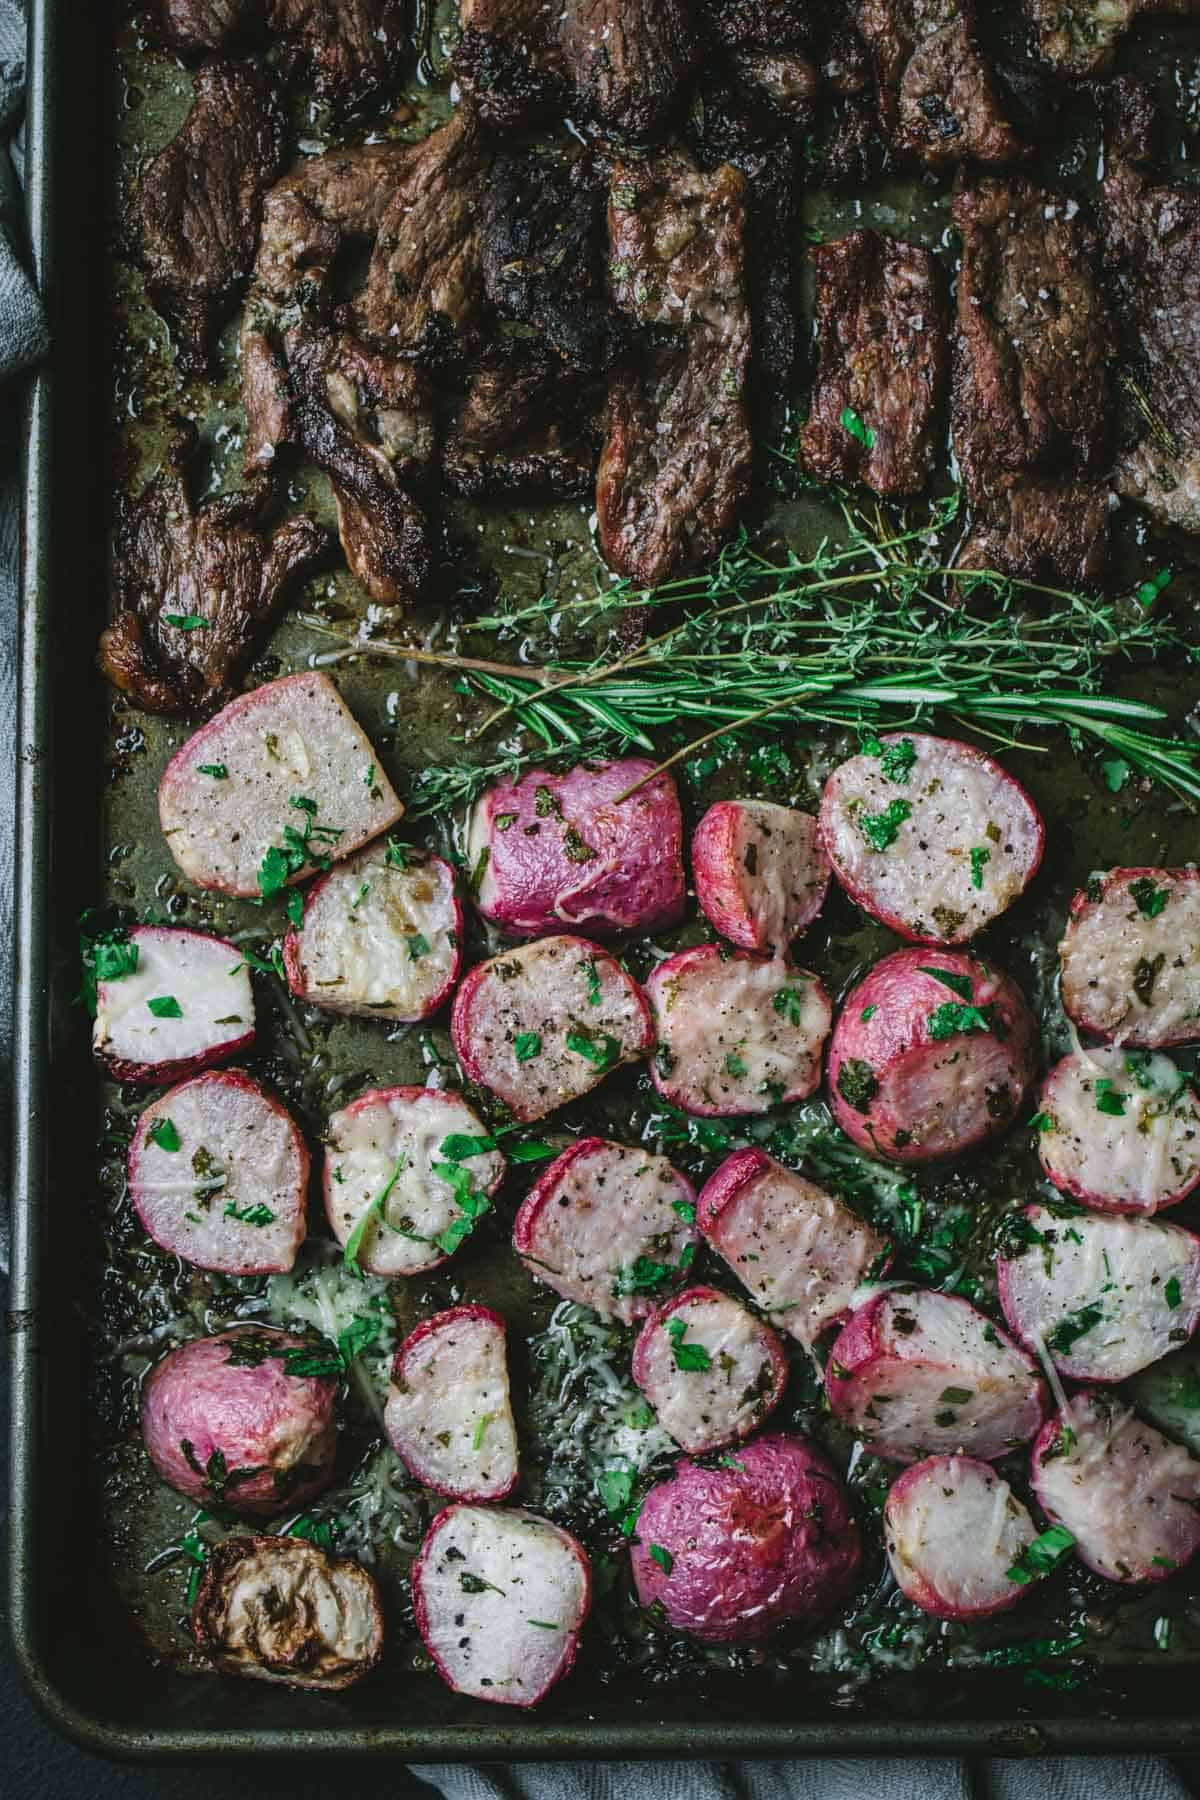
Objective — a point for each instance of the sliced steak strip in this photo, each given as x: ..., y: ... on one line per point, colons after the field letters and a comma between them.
x: 937, y: 98
x: 519, y: 431
x: 1080, y: 37
x: 676, y: 463
x: 346, y: 48
x: 199, y: 589
x: 508, y: 58
x: 628, y: 60
x: 882, y: 369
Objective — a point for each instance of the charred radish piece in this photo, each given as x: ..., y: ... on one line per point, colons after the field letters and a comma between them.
x: 761, y: 872
x: 955, y: 1533
x: 408, y: 1171
x: 732, y: 1552
x: 282, y: 1609
x: 1127, y: 1495
x: 736, y: 1034
x: 168, y: 1003
x: 380, y: 936
x: 1120, y: 1130
x: 931, y: 1055
x: 449, y: 1416
x: 800, y: 1251
x: 709, y: 1368
x: 218, y: 1175
x: 279, y: 783
x: 559, y: 851
x: 609, y: 1226
x: 1104, y: 1296
x: 930, y: 836
x: 236, y: 1421
x: 919, y: 1374
x: 543, y: 1024
x: 500, y: 1599
x: 1131, y: 957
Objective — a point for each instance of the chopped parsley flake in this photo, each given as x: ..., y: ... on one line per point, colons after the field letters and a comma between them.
x: 882, y: 829
x: 218, y: 771
x: 164, y: 1134
x: 662, y: 1557
x: 949, y: 1020
x: 789, y: 1004
x: 1043, y: 1555
x: 165, y: 1006
x: 980, y: 858
x: 1109, y: 1099
x: 527, y: 1045
x: 862, y: 434
x: 1150, y: 899
x: 602, y: 1053
x: 691, y: 1358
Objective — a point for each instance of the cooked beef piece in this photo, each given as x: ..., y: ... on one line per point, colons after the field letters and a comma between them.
x: 198, y: 25
x: 178, y: 564
x: 937, y: 98
x: 1079, y: 37
x: 518, y: 432
x: 1031, y: 390
x: 786, y: 79
x: 628, y: 60
x: 770, y: 24
x: 882, y: 364
x: 849, y: 150
x: 1152, y: 254
x: 348, y: 48
x: 544, y: 255
x: 508, y: 58
x: 200, y: 203
x: 677, y: 458
x: 1042, y: 530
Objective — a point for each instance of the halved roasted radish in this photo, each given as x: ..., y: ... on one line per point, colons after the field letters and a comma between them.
x: 1103, y: 1296
x: 175, y: 1002
x: 800, y: 1251
x: 954, y: 1530
x: 381, y: 935
x: 218, y: 1175
x: 930, y: 1055
x: 930, y: 836
x: 280, y: 781
x: 709, y: 1368
x: 500, y: 1598
x: 542, y: 1024
x: 449, y: 1415
x: 920, y: 1374
x: 609, y: 1226
x: 282, y: 1609
x: 761, y: 872
x: 1131, y: 957
x: 1120, y: 1130
x: 407, y: 1157
x: 1129, y: 1497
x: 736, y: 1033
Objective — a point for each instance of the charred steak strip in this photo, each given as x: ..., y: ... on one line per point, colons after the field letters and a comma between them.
x: 628, y: 60
x: 518, y: 432
x: 1080, y: 37
x: 938, y: 100
x: 508, y: 58
x: 882, y: 364
x: 348, y: 47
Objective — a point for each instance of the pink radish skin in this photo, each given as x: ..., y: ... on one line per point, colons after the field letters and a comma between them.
x: 593, y: 1213
x: 1141, y: 1160
x: 801, y: 1252
x: 761, y: 872
x: 704, y: 1409
x: 354, y: 951
x: 1128, y: 1495
x: 209, y: 980
x: 538, y: 875
x: 1112, y: 948
x: 515, y: 1636
x: 727, y: 1042
x: 745, y: 1547
x: 896, y: 1370
x: 450, y: 1378
x: 534, y: 997
x: 971, y: 842
x: 254, y: 1416
x: 903, y: 1094
x: 953, y: 1529
x: 252, y: 1139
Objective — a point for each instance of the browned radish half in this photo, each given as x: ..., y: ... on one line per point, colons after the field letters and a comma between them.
x: 736, y: 1033
x: 183, y: 1002
x: 282, y: 1609
x: 500, y: 1599
x: 1102, y: 1296
x: 609, y: 1226
x: 761, y: 872
x: 930, y: 1055
x: 381, y: 936
x: 1131, y: 957
x: 287, y: 758
x: 954, y: 1530
x: 400, y: 1155
x: 920, y: 1374
x: 449, y: 1414
x: 1120, y: 1130
x: 800, y: 1251
x: 1129, y: 1497
x: 543, y: 1024
x: 218, y: 1175
x: 930, y: 836
x: 709, y: 1368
